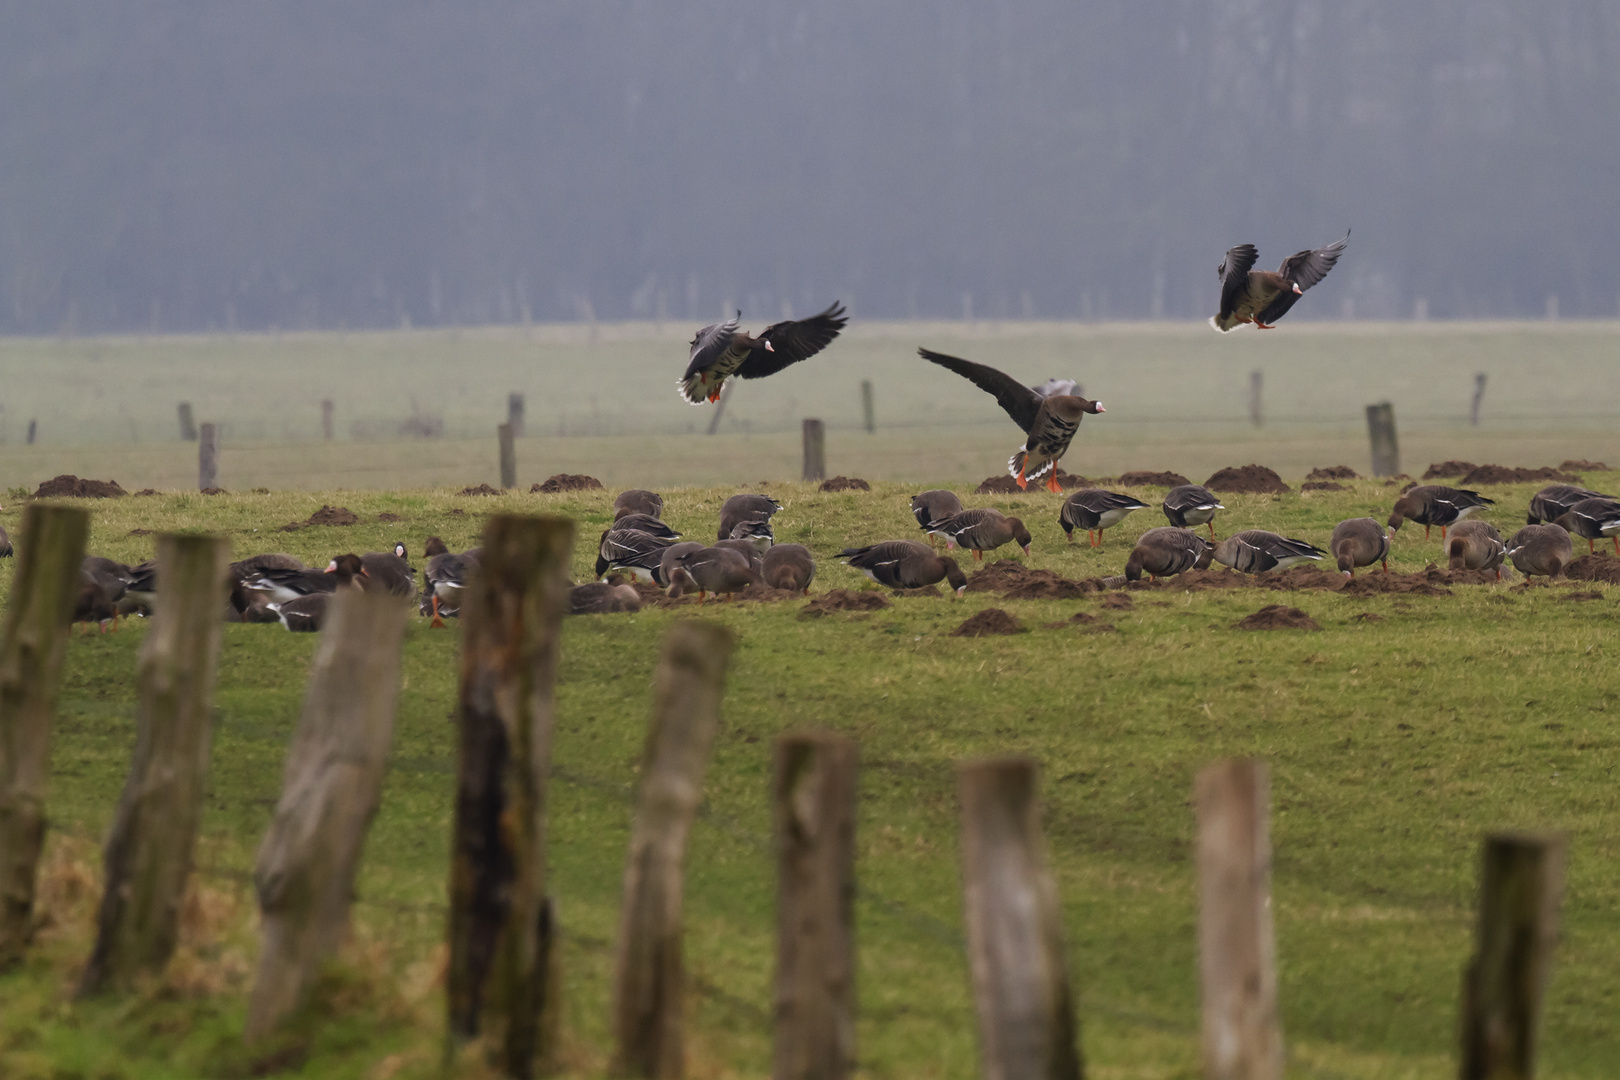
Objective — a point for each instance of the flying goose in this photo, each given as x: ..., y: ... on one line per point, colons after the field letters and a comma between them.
x: 1094, y: 510
x: 1434, y: 504
x: 983, y: 529
x: 630, y: 549
x: 1476, y: 545
x: 1262, y: 297
x: 638, y: 501
x: 931, y: 508
x: 1191, y: 505
x: 1593, y: 519
x: 712, y: 570
x: 721, y: 350
x: 603, y: 597
x: 789, y: 566
x: 1543, y: 550
x: 905, y: 564
x: 1166, y: 550
x: 740, y: 508
x: 1254, y: 551
x: 1556, y: 500
x: 1049, y: 422
x: 1360, y: 542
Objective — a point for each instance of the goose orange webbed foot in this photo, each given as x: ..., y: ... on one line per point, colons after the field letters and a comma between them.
x: 1052, y: 485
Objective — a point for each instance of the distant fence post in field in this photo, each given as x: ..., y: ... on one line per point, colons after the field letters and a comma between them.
x: 503, y: 433
x: 868, y: 408
x: 720, y: 407
x: 813, y: 798
x: 1027, y: 1028
x: 501, y: 932
x: 188, y: 423
x: 148, y: 852
x: 208, y: 458
x: 1256, y: 417
x: 1386, y: 455
x: 1479, y: 398
x: 1237, y: 948
x: 33, y: 430
x: 1521, y: 882
x: 514, y: 414
x: 333, y: 779
x: 37, y: 620
x: 815, y: 450
x: 648, y: 973
x: 327, y: 410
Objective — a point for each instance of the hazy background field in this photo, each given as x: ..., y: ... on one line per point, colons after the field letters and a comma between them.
x: 600, y: 400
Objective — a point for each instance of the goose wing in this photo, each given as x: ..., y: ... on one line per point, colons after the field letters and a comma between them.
x: 792, y: 341
x: 1234, y: 274
x: 1303, y: 268
x: 1020, y: 402
x: 710, y: 344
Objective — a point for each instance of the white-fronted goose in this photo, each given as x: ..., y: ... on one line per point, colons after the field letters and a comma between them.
x: 638, y: 501
x: 305, y: 614
x: 675, y: 552
x: 747, y: 548
x: 755, y: 532
x: 1360, y: 542
x: 1048, y: 422
x: 905, y: 564
x: 283, y: 585
x: 5, y: 543
x: 1254, y: 551
x: 94, y: 602
x: 789, y: 566
x: 1593, y: 519
x: 721, y: 350
x: 603, y: 597
x: 1165, y: 551
x: 1434, y: 504
x: 1476, y: 545
x: 388, y: 572
x: 1094, y: 510
x: 1541, y: 550
x: 248, y: 604
x: 443, y: 578
x: 931, y: 508
x: 140, y: 591
x: 1191, y: 505
x: 1556, y: 500
x: 647, y: 523
x: 631, y: 550
x: 1262, y: 297
x: 740, y: 508
x: 983, y: 529
x: 111, y: 578
x: 712, y: 570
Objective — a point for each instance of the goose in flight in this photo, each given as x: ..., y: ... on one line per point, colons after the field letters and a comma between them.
x: 722, y: 350
x: 1262, y: 297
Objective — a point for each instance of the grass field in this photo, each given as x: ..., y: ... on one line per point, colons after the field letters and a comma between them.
x: 1394, y: 744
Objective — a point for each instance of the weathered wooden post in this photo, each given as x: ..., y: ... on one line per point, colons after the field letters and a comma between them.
x: 1386, y: 456
x: 1237, y: 949
x: 720, y: 407
x: 501, y: 929
x: 1521, y: 883
x: 208, y: 458
x: 37, y: 619
x: 813, y: 796
x: 648, y: 974
x: 188, y: 423
x: 514, y: 414
x: 868, y: 407
x: 33, y: 430
x: 148, y: 852
x: 332, y: 781
x: 815, y: 450
x: 1479, y: 398
x: 327, y: 425
x: 1027, y: 1028
x: 503, y: 433
x: 1255, y: 416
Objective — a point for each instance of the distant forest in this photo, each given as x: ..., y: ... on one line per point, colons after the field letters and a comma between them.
x: 171, y: 166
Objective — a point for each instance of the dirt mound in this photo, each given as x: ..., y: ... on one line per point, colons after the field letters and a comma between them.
x: 1333, y: 472
x: 998, y: 485
x: 1404, y: 584
x: 1014, y: 580
x: 847, y: 483
x: 1322, y: 485
x: 326, y: 515
x: 68, y: 486
x: 1576, y: 465
x: 1502, y: 474
x: 1247, y: 480
x: 481, y: 489
x: 1604, y: 568
x: 146, y: 491
x: 926, y: 590
x: 1089, y: 623
x: 766, y: 595
x: 1397, y: 478
x: 1142, y: 478
x: 1117, y: 602
x: 1592, y: 595
x: 1069, y: 481
x: 988, y: 622
x: 386, y: 516
x: 1296, y: 578
x: 213, y: 491
x: 844, y: 600
x: 1443, y: 469
x: 1277, y: 617
x: 560, y: 482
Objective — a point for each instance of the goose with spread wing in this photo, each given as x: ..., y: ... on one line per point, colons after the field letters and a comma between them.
x: 722, y: 350
x: 1262, y: 297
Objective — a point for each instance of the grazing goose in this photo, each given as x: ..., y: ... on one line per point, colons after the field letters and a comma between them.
x: 1556, y: 500
x: 603, y: 597
x: 112, y: 580
x: 905, y: 564
x: 789, y: 566
x: 747, y: 548
x: 712, y: 570
x: 1191, y: 505
x: 630, y: 549
x: 1541, y: 550
x: 1433, y: 504
x: 1254, y: 551
x: 931, y: 508
x: 248, y: 605
x: 983, y: 529
x: 443, y: 578
x: 1476, y: 545
x: 282, y: 584
x: 675, y: 552
x: 1360, y: 542
x: 305, y: 614
x: 1048, y: 422
x: 637, y: 501
x: 1094, y: 510
x: 1593, y: 519
x: 141, y: 590
x: 388, y: 572
x: 647, y: 523
x: 740, y: 508
x: 1165, y: 551
x: 5, y: 543
x: 757, y: 533
x: 94, y: 602
x: 1261, y: 297
x: 721, y: 350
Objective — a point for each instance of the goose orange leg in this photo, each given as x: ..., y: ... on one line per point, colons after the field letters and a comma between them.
x: 1425, y: 532
x: 1023, y: 484
x: 1051, y: 482
x: 438, y: 621
x: 1616, y: 545
x: 978, y: 556
x: 1211, y: 524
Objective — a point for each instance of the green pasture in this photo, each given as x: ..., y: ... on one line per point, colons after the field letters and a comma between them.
x: 1395, y: 742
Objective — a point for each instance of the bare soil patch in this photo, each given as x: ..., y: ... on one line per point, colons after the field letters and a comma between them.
x: 1581, y: 465
x: 1402, y: 584
x: 848, y: 483
x: 844, y: 600
x: 140, y: 532
x: 326, y: 515
x: 386, y: 516
x: 1247, y: 480
x: 989, y: 622
x: 1117, y: 601
x: 766, y: 595
x: 1604, y: 568
x: 1397, y: 478
x: 1332, y: 472
x: 1322, y: 485
x: 558, y: 483
x: 481, y: 489
x: 1277, y: 617
x: 213, y: 491
x: 1014, y: 580
x: 1366, y: 616
x: 1502, y: 474
x: 1442, y: 469
x: 1143, y: 478
x: 68, y: 486
x: 146, y: 491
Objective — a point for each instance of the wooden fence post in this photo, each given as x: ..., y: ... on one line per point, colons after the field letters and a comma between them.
x: 814, y: 808
x: 1386, y: 456
x: 514, y: 414
x: 647, y: 968
x: 815, y: 450
x: 501, y: 928
x: 1479, y: 399
x: 503, y: 434
x: 332, y: 781
x: 33, y: 430
x: 720, y: 408
x: 868, y: 407
x: 1256, y: 417
x: 1521, y: 883
x: 1237, y: 949
x: 148, y: 853
x: 188, y: 423
x: 37, y: 619
x: 1027, y: 1028
x: 327, y: 425
x: 208, y: 458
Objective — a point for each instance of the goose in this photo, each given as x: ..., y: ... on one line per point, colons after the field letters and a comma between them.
x: 388, y: 572
x: 5, y: 543
x: 983, y: 529
x: 1360, y: 542
x: 1476, y: 545
x: 757, y: 533
x: 632, y: 550
x: 1048, y: 422
x: 1254, y: 551
x: 603, y: 597
x: 1593, y: 519
x: 1167, y: 550
x: 675, y: 552
x: 1261, y: 297
x: 930, y: 508
x: 443, y: 578
x: 1434, y: 504
x: 111, y: 578
x: 1191, y: 505
x: 282, y: 584
x: 789, y: 566
x: 905, y: 564
x: 747, y: 548
x: 638, y: 501
x: 1094, y: 510
x: 647, y: 523
x: 140, y: 591
x: 721, y: 350
x: 711, y: 570
x: 248, y: 605
x: 94, y: 602
x: 740, y: 508
x: 304, y: 614
x: 1556, y: 500
x: 1542, y: 550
